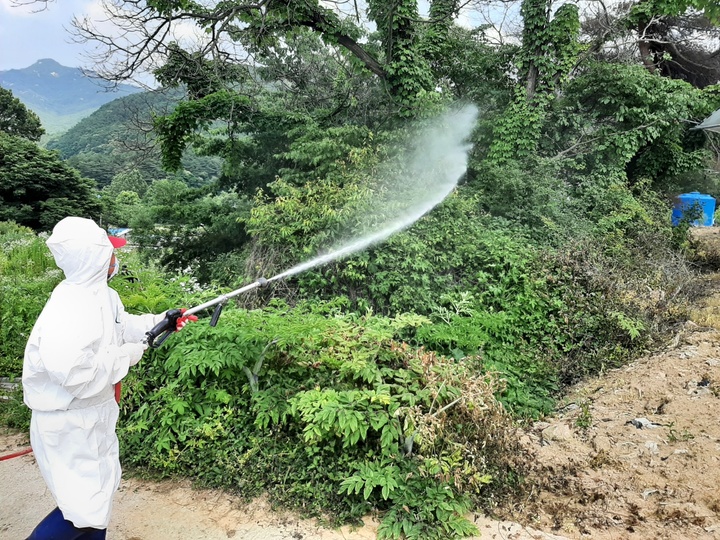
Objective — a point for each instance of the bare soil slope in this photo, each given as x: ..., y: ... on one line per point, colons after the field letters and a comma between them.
x: 647, y: 466
x: 635, y: 453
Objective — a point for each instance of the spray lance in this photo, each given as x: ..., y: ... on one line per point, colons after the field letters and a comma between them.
x: 161, y: 331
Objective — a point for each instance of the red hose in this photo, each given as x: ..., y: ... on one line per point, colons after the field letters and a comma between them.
x: 16, y: 454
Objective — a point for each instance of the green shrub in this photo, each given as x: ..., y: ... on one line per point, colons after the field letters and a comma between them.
x: 13, y: 412
x: 28, y: 275
x: 326, y: 412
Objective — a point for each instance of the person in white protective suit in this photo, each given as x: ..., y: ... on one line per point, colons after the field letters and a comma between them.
x: 82, y: 344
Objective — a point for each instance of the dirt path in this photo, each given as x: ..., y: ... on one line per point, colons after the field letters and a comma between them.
x: 149, y: 510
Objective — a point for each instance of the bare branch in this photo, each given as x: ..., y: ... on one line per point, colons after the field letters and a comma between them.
x: 579, y: 144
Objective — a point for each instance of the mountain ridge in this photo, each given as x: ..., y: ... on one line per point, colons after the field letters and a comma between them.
x: 61, y: 96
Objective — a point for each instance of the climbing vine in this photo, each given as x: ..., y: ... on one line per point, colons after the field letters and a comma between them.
x: 177, y: 129
x: 549, y: 51
x: 409, y: 75
x: 435, y: 40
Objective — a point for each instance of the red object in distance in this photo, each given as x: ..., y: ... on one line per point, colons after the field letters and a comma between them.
x: 116, y: 241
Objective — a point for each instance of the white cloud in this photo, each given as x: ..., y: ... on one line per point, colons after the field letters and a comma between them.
x: 29, y: 33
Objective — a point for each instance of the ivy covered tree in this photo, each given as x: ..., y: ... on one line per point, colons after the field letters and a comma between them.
x: 395, y: 56
x: 400, y: 61
x: 549, y: 52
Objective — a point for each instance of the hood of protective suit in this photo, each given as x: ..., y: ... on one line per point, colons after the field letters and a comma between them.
x: 82, y: 250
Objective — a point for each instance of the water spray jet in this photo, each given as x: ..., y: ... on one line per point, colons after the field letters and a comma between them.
x: 444, y: 145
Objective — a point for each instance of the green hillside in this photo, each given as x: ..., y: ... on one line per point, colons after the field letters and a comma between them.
x: 56, y: 124
x: 60, y: 95
x: 117, y: 137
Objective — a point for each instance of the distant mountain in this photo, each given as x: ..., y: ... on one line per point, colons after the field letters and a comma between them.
x: 61, y: 96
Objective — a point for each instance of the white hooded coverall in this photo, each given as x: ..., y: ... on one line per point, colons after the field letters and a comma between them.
x: 81, y: 345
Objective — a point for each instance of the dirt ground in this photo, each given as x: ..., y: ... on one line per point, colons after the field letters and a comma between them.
x: 647, y: 467
x: 633, y: 454
x: 145, y: 510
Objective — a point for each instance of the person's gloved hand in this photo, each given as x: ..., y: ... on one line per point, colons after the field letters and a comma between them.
x: 134, y: 351
x: 183, y: 320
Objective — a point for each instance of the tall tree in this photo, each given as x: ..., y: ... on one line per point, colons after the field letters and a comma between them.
x: 16, y: 119
x: 220, y: 73
x: 37, y: 189
x: 550, y: 48
x: 661, y: 44
x: 671, y: 38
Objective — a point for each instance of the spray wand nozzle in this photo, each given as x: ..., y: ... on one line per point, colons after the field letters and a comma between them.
x: 161, y: 331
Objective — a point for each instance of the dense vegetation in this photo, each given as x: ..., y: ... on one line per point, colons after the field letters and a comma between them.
x: 37, y: 188
x: 388, y: 380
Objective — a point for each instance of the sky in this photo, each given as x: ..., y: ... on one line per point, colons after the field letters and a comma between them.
x: 35, y: 31
x: 30, y: 33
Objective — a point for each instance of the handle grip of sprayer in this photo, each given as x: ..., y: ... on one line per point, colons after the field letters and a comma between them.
x: 157, y: 335
x: 161, y: 331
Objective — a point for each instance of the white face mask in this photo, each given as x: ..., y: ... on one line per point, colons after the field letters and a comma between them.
x: 115, y: 269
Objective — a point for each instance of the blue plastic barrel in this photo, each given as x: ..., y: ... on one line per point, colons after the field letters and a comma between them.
x: 686, y: 202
